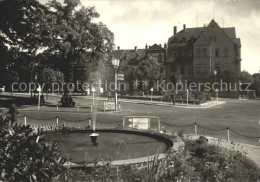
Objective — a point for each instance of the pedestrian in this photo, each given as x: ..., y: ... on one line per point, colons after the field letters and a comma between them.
x: 13, y: 112
x: 42, y: 99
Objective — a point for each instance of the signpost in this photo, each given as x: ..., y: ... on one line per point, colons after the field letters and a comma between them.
x: 120, y: 77
x: 109, y: 105
x: 151, y: 94
x: 39, y: 89
x: 93, y: 92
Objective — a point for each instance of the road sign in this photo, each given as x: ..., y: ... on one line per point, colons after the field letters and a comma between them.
x: 120, y: 77
x: 109, y: 105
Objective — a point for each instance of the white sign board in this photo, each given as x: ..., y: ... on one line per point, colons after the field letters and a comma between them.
x: 109, y: 105
x: 140, y: 123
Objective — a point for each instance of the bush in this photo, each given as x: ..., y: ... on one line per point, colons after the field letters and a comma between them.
x: 23, y: 158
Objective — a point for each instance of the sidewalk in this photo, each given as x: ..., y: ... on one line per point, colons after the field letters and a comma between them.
x: 156, y: 103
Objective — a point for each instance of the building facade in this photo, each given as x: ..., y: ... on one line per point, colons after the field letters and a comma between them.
x: 197, y: 52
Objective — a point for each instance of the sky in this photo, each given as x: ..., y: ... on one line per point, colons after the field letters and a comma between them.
x: 140, y: 22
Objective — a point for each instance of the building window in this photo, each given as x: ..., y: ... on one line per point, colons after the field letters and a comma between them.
x: 198, y: 52
x: 182, y: 53
x: 202, y: 68
x: 217, y: 68
x: 226, y: 52
x: 190, y: 53
x: 205, y: 50
x: 173, y: 54
x: 226, y: 67
x: 182, y: 69
x: 198, y: 68
x: 205, y: 68
x: 190, y: 69
x: 217, y: 52
x: 160, y: 58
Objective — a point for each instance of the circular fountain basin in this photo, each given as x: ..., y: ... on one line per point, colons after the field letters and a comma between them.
x: 111, y: 145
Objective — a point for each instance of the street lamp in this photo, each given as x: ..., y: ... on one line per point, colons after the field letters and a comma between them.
x: 115, y: 63
x: 93, y: 91
x: 151, y: 94
x: 215, y: 74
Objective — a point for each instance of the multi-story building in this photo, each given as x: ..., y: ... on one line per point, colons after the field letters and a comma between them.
x: 197, y: 52
x: 134, y: 56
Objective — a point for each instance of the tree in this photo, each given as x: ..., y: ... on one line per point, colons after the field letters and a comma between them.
x: 36, y: 33
x: 245, y: 77
x: 22, y: 26
x: 256, y: 83
x: 24, y: 158
x: 76, y: 33
x: 175, y: 78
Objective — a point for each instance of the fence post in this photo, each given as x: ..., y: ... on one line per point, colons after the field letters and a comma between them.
x: 91, y: 108
x: 195, y: 128
x: 227, y: 134
x: 57, y: 120
x: 25, y: 121
x: 89, y: 121
x: 119, y: 106
x: 123, y: 122
x: 57, y: 107
x: 159, y: 125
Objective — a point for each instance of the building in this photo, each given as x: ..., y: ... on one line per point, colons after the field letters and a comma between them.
x: 134, y: 56
x: 197, y: 52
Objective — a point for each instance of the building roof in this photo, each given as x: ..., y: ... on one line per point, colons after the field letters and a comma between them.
x: 129, y: 54
x: 191, y: 34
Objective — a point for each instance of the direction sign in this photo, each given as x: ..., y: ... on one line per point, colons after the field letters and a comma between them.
x: 120, y: 76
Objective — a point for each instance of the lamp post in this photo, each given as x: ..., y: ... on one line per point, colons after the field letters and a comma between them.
x: 217, y: 96
x: 93, y: 93
x: 151, y: 94
x: 115, y: 63
x: 39, y: 89
x: 187, y: 97
x: 215, y: 74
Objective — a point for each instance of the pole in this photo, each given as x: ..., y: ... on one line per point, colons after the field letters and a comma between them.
x: 89, y: 121
x: 90, y: 108
x: 57, y: 120
x: 195, y: 128
x: 227, y: 134
x: 39, y: 101
x: 187, y: 97
x: 115, y: 89
x: 93, y: 96
x: 159, y: 125
x: 151, y: 96
x: 25, y: 121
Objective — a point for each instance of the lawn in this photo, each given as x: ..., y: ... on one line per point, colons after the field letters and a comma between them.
x: 241, y: 116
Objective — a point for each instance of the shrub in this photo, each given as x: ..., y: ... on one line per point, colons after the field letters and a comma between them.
x: 23, y: 158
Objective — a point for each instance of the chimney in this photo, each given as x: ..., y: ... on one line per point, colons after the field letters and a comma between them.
x: 174, y: 30
x: 184, y: 27
x: 146, y: 46
x: 135, y: 48
x: 165, y: 46
x: 118, y: 47
x: 160, y: 45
